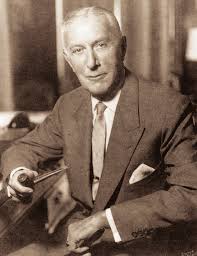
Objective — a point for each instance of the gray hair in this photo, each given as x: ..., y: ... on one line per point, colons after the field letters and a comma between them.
x: 92, y: 10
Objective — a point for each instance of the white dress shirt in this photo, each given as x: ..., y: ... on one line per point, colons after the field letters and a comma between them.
x: 109, y: 118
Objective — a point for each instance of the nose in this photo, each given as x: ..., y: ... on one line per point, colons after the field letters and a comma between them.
x: 92, y: 60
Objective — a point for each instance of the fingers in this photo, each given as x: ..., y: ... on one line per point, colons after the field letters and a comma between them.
x: 15, y: 185
x: 82, y: 233
x: 82, y: 254
x: 30, y: 173
x: 78, y: 250
x: 12, y: 194
x: 11, y: 191
x: 35, y: 173
x: 82, y: 250
x: 87, y: 254
x: 76, y: 246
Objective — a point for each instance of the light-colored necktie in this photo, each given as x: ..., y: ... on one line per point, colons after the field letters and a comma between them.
x: 98, y: 146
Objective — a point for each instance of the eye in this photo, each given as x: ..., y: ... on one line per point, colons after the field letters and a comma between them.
x: 77, y: 50
x: 101, y: 45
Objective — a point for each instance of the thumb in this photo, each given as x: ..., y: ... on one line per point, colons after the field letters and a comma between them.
x: 35, y: 173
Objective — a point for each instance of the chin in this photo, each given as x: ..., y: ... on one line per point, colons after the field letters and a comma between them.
x: 98, y: 94
x: 98, y: 91
x: 102, y: 95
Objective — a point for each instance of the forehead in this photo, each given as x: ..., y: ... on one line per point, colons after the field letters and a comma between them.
x: 88, y: 29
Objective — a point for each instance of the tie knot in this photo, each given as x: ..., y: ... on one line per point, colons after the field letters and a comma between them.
x: 100, y: 108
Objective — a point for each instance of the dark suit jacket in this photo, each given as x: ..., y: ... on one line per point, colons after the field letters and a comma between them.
x: 152, y: 125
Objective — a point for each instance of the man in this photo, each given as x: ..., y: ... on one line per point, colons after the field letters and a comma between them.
x: 129, y: 143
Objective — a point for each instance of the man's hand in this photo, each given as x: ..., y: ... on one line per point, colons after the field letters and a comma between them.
x: 81, y: 231
x: 15, y: 188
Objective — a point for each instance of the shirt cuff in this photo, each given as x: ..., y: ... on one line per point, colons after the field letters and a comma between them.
x: 112, y: 225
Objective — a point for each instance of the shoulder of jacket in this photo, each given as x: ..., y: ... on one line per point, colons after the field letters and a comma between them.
x: 161, y: 97
x: 72, y: 96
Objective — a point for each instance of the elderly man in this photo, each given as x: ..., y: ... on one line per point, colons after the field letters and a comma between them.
x: 129, y: 143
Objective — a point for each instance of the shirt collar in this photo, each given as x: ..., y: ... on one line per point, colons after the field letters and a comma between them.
x: 111, y: 104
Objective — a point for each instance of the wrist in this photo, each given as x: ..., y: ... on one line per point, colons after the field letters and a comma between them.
x: 102, y: 221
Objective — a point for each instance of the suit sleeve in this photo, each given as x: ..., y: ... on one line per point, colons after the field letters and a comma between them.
x: 43, y: 143
x: 140, y: 217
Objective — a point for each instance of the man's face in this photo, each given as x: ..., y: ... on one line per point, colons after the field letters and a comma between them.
x: 95, y: 53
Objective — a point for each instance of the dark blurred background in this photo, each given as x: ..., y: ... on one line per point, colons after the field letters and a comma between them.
x: 32, y: 69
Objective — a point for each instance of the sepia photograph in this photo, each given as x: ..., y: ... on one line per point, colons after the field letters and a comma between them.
x: 98, y: 128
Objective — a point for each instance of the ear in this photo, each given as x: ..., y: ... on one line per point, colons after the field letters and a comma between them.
x: 67, y: 58
x: 123, y: 46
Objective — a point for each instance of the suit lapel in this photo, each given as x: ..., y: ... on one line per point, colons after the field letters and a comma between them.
x: 125, y: 135
x: 79, y: 147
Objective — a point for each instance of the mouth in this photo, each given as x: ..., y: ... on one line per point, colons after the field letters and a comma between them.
x: 96, y: 77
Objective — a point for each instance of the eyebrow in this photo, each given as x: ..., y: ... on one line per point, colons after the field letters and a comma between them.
x: 100, y: 40
x: 75, y: 45
x: 93, y: 43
